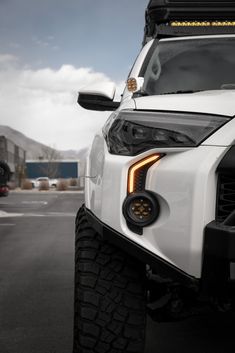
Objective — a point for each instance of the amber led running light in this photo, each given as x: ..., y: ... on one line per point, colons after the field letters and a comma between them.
x: 137, y: 167
x: 202, y: 23
x: 141, y: 207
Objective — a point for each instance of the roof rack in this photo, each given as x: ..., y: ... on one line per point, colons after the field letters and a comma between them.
x: 168, y: 18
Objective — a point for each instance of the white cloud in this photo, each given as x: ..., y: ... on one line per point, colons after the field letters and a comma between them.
x: 42, y: 103
x: 14, y: 45
x: 47, y: 42
x: 7, y: 59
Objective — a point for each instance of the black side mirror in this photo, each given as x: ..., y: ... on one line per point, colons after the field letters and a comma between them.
x: 95, y: 102
x: 98, y: 97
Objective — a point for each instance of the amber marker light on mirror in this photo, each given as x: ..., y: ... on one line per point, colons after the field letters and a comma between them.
x: 146, y: 162
x: 132, y: 85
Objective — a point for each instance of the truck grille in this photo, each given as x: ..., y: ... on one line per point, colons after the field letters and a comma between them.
x: 225, y: 197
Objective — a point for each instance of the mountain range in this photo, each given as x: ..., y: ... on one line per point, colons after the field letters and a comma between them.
x: 35, y: 150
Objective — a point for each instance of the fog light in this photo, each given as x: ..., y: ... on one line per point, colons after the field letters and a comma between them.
x: 141, y: 209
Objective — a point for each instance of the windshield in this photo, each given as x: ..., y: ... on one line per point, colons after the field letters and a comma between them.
x: 190, y: 65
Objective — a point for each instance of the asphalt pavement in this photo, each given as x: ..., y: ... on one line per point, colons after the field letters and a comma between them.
x: 36, y: 284
x: 36, y: 272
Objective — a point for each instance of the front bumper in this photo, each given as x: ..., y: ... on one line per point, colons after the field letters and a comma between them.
x: 184, y: 182
x: 219, y: 241
x: 219, y: 251
x: 163, y: 268
x: 218, y: 257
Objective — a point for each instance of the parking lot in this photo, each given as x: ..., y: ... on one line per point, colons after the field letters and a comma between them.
x: 36, y: 284
x: 36, y: 272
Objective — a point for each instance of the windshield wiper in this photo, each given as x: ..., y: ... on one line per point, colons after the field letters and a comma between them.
x: 145, y: 94
x: 183, y: 92
x: 141, y: 93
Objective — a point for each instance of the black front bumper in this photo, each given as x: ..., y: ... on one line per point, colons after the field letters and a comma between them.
x: 218, y: 253
x: 219, y: 241
x: 162, y: 267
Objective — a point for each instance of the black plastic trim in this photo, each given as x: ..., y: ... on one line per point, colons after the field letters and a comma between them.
x: 219, y: 240
x: 148, y: 57
x: 219, y: 252
x: 97, y: 103
x: 162, y: 267
x: 162, y: 11
x: 227, y: 164
x: 225, y: 203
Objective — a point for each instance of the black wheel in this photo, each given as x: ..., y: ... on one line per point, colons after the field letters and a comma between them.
x: 110, y: 296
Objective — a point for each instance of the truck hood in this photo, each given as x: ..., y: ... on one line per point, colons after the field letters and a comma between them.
x: 221, y: 102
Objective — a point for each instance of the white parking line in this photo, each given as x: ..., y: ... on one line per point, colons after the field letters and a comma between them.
x: 7, y: 215
x: 35, y: 202
x: 7, y: 224
x: 33, y: 215
x: 48, y: 214
x: 63, y: 214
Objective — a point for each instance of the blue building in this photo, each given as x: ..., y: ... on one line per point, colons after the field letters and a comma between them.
x: 60, y: 169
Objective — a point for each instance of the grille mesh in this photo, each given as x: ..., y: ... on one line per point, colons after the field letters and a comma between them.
x: 140, y: 179
x: 225, y: 197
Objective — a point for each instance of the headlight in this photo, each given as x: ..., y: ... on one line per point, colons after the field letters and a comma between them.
x: 133, y: 132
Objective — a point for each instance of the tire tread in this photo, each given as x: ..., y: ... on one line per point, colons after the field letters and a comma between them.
x: 110, y: 311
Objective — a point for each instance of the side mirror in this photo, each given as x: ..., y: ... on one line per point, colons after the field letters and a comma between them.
x: 98, y: 97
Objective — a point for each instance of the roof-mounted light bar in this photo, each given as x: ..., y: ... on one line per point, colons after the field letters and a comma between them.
x: 215, y: 16
x: 202, y: 24
x: 163, y: 11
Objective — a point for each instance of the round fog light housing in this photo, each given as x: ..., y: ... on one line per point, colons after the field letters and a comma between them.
x: 141, y: 208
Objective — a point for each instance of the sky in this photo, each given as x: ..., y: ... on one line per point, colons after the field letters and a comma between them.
x: 49, y: 49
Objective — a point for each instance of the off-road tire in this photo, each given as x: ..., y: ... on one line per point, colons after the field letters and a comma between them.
x: 110, y: 308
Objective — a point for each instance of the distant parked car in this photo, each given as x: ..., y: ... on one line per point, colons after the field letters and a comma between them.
x: 36, y: 182
x: 4, y: 190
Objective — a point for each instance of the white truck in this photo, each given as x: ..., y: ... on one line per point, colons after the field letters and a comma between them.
x: 156, y: 234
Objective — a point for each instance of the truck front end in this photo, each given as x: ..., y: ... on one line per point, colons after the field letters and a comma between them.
x: 160, y: 183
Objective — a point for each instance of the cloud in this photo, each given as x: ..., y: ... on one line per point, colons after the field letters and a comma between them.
x: 14, y: 45
x: 7, y: 59
x: 46, y: 43
x: 42, y: 103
